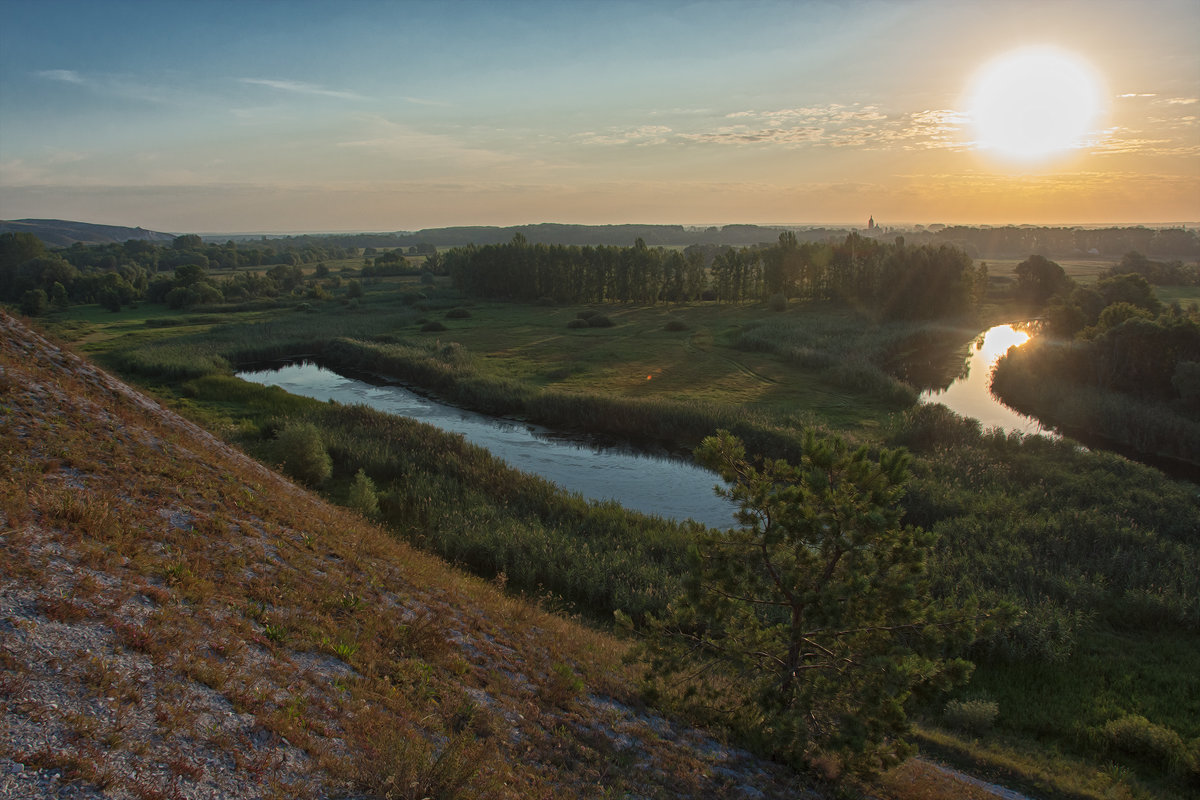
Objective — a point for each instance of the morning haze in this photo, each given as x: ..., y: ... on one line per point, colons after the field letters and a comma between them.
x: 415, y: 400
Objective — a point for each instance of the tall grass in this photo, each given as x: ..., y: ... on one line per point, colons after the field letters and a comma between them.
x: 460, y: 501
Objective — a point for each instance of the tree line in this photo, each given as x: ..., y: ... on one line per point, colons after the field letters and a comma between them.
x: 180, y: 275
x: 890, y: 280
x: 1115, y: 362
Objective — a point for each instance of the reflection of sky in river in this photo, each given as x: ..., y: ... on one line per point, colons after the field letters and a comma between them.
x: 669, y: 487
x: 972, y: 396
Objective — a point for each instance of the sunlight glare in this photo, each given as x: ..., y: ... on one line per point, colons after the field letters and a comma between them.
x: 999, y: 339
x: 1034, y: 102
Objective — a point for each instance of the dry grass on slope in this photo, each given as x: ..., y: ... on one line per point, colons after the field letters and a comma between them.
x: 178, y: 621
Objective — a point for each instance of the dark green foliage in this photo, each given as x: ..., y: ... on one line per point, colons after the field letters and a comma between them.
x: 1039, y: 279
x: 675, y: 325
x: 301, y: 452
x: 1123, y: 383
x: 1159, y: 273
x: 975, y: 717
x: 1133, y: 289
x: 893, y: 281
x: 433, y: 326
x: 577, y: 323
x: 34, y: 303
x: 1137, y: 736
x: 600, y: 321
x: 1072, y: 537
x: 458, y: 313
x: 816, y: 608
x: 362, y: 496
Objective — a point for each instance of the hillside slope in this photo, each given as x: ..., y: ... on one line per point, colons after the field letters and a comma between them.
x: 178, y: 621
x: 63, y: 233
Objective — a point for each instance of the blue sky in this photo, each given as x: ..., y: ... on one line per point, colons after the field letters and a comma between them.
x: 272, y: 116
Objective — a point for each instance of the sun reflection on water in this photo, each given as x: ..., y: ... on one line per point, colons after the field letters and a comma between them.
x: 997, y: 341
x: 971, y: 395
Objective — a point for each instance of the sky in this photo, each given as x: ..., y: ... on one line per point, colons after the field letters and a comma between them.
x: 264, y: 116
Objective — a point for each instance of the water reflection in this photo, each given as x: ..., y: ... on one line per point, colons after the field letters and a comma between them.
x: 971, y: 395
x: 653, y: 484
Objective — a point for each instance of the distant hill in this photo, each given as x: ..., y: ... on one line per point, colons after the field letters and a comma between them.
x: 63, y: 233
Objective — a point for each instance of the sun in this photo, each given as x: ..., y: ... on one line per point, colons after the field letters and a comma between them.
x: 1034, y: 103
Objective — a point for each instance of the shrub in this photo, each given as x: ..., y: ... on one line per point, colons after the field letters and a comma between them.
x: 777, y: 302
x: 403, y: 765
x: 412, y: 298
x: 587, y: 313
x: 577, y: 323
x: 599, y: 321
x: 34, y: 303
x: 973, y: 716
x: 432, y: 327
x: 458, y: 313
x: 302, y: 453
x: 1135, y: 735
x: 676, y: 325
x: 362, y: 497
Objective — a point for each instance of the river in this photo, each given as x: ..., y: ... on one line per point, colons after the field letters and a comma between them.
x: 971, y: 395
x: 651, y: 483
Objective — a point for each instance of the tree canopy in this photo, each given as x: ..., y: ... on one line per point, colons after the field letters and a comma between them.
x: 812, y: 621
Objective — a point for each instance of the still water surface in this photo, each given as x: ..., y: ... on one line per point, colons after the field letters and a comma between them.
x: 971, y: 395
x: 653, y: 484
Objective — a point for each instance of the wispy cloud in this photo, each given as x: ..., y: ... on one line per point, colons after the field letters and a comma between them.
x: 300, y: 87
x: 834, y: 125
x: 422, y: 101
x: 64, y: 75
x: 123, y: 86
x: 642, y: 135
x: 1181, y: 101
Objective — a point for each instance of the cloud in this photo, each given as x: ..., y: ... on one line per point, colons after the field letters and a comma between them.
x: 834, y: 125
x: 1181, y: 101
x: 112, y: 85
x: 642, y: 136
x: 1137, y: 94
x: 64, y: 75
x: 421, y: 101
x: 299, y: 87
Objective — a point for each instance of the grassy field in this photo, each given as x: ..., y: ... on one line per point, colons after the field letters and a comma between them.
x: 1082, y: 270
x: 1004, y: 508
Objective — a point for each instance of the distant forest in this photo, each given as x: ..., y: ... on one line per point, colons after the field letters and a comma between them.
x: 922, y: 276
x: 977, y: 242
x: 891, y: 280
x: 1004, y: 242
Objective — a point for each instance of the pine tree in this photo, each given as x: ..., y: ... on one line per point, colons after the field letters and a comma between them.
x: 811, y: 622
